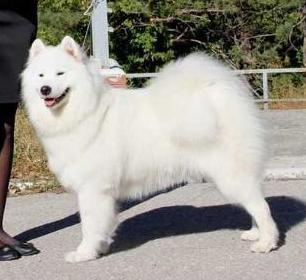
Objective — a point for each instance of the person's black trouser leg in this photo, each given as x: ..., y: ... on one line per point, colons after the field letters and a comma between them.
x: 7, y: 122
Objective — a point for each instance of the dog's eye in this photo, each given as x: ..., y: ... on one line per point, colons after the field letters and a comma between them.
x: 41, y: 75
x: 60, y: 73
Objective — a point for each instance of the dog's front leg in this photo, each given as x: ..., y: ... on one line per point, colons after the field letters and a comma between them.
x: 98, y: 218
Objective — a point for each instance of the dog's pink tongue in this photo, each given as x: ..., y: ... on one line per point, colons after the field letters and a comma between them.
x: 49, y: 102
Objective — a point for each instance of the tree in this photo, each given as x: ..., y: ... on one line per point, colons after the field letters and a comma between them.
x: 244, y: 33
x: 58, y: 18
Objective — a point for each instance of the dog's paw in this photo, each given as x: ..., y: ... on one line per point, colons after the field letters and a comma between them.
x: 263, y: 246
x: 75, y: 256
x: 250, y: 235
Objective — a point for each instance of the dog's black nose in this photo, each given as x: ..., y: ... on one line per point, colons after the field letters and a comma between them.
x: 45, y: 90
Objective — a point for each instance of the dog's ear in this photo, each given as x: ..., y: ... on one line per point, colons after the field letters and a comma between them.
x: 72, y: 48
x: 37, y: 47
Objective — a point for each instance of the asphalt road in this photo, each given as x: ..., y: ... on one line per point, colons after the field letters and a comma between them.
x: 188, y: 233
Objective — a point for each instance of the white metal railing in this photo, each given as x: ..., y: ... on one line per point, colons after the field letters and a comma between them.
x: 265, y: 84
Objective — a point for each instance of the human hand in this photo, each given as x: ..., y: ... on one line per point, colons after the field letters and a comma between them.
x: 117, y: 81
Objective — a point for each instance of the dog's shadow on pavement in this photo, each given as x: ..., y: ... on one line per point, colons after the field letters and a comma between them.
x: 181, y: 220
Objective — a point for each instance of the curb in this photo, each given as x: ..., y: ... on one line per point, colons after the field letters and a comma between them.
x: 271, y: 174
x: 294, y: 173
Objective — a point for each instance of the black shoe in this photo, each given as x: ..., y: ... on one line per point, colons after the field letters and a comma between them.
x: 8, y: 254
x: 25, y: 249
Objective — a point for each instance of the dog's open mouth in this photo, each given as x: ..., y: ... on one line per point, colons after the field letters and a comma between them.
x: 50, y: 101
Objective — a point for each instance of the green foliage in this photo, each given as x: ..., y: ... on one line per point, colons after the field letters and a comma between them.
x: 287, y: 86
x: 62, y: 17
x: 148, y: 33
x: 246, y: 34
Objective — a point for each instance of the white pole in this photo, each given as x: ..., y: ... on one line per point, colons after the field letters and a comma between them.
x: 99, y: 25
x: 265, y: 90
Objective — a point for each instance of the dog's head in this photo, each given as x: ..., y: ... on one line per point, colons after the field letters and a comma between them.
x: 60, y: 86
x: 51, y: 71
x: 53, y: 74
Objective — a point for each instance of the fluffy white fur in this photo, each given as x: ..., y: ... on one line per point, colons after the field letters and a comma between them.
x: 195, y: 120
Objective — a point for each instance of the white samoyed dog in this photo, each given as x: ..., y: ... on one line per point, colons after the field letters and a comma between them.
x: 196, y: 119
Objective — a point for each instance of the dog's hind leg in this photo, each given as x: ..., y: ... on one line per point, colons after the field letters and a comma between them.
x: 268, y: 232
x: 98, y: 218
x: 246, y: 191
x: 252, y: 234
